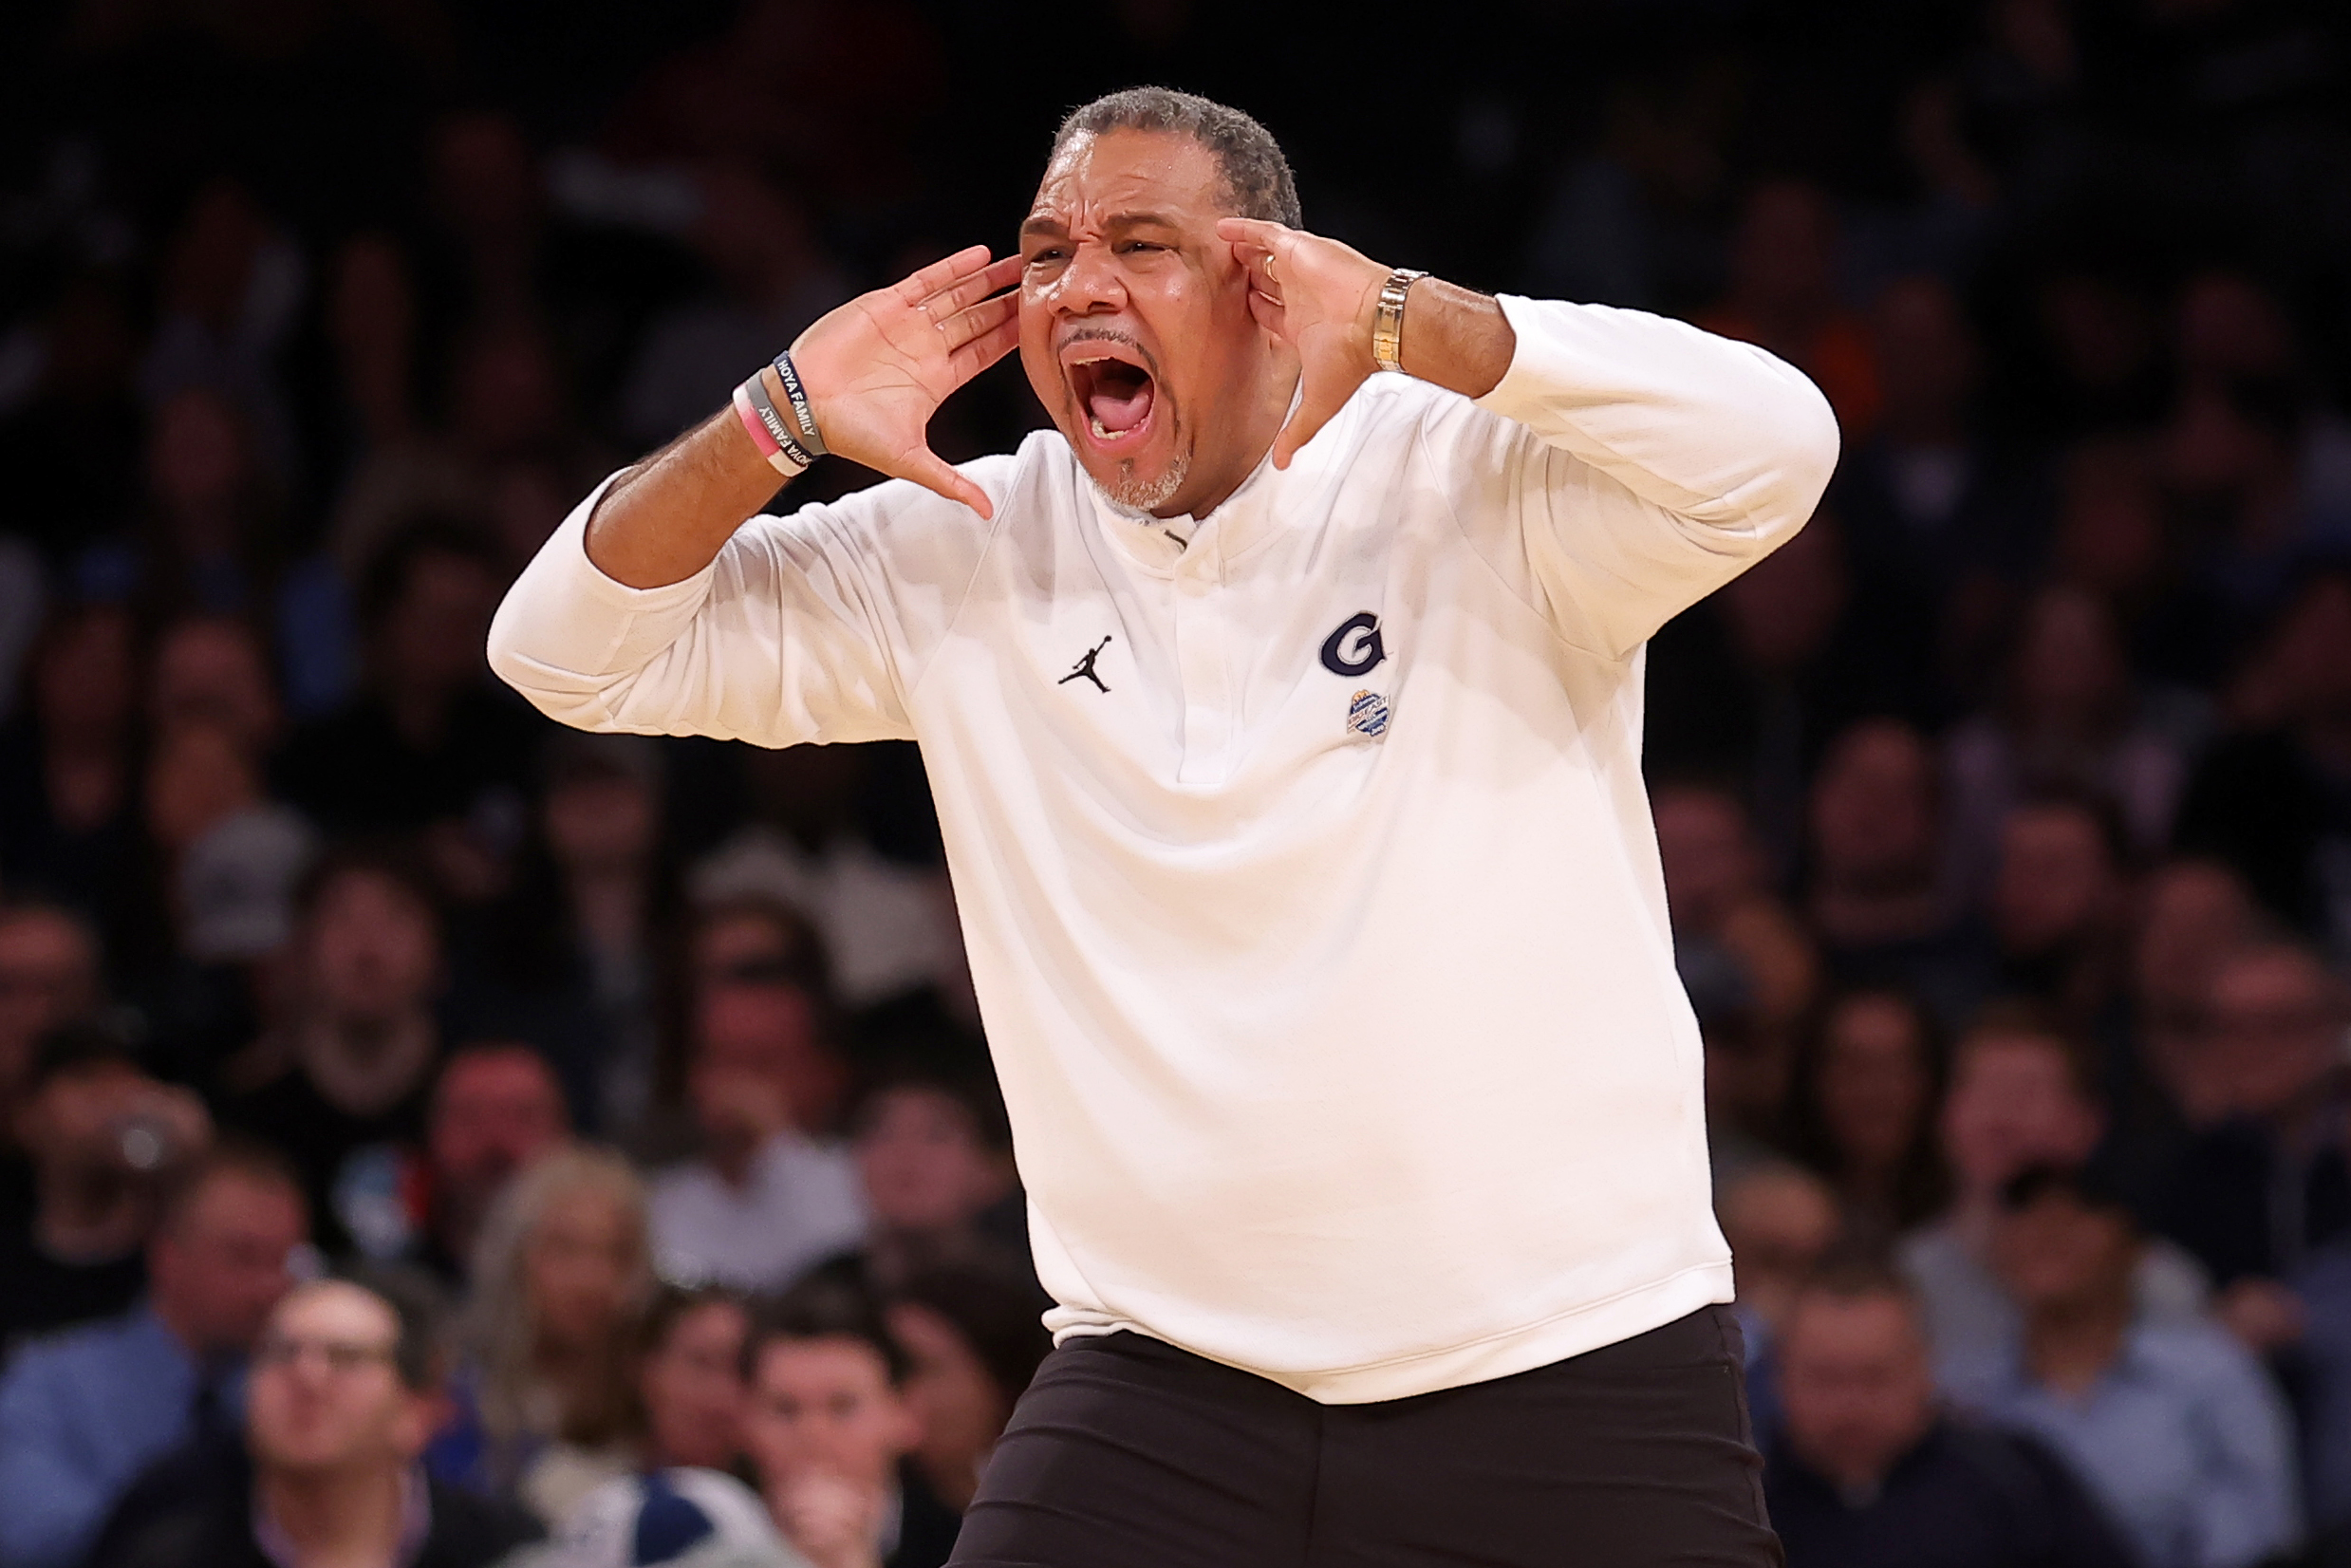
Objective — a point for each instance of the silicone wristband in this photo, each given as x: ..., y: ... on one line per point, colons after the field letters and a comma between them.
x: 756, y: 429
x: 802, y: 415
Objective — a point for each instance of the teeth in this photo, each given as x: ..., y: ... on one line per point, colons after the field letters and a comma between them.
x: 1102, y: 432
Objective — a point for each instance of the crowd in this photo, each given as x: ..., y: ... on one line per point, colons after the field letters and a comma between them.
x: 430, y: 1136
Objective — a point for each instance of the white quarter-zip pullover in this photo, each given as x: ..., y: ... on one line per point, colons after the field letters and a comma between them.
x: 1308, y: 877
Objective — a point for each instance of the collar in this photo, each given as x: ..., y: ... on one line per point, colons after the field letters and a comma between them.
x: 416, y: 1525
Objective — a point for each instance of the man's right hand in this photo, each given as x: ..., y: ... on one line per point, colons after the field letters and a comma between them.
x: 875, y: 371
x: 877, y: 367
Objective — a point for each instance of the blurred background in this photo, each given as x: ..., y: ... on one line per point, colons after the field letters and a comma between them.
x: 2005, y: 812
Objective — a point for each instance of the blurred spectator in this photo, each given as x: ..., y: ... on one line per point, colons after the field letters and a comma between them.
x: 69, y: 772
x: 426, y: 745
x: 2112, y: 538
x: 1781, y: 1221
x: 2068, y: 717
x: 889, y: 926
x: 578, y: 944
x: 772, y: 1192
x: 772, y: 282
x: 693, y: 1517
x: 495, y: 1110
x: 561, y: 1274
x: 973, y: 1340
x: 80, y: 1414
x: 1731, y: 936
x: 2020, y: 1096
x: 2268, y: 1181
x: 2058, y: 910
x: 1783, y: 263
x: 2194, y: 915
x: 1868, y: 1473
x: 1881, y: 896
x: 65, y: 441
x: 2273, y: 801
x: 934, y: 1157
x: 2174, y: 1426
x: 217, y: 667
x: 104, y: 1139
x: 1864, y: 1107
x: 48, y: 976
x: 340, y: 1083
x: 690, y: 1377
x: 830, y: 1429
x: 344, y: 1393
x: 229, y: 857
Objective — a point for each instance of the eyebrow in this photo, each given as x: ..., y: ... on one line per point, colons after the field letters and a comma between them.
x: 1052, y: 228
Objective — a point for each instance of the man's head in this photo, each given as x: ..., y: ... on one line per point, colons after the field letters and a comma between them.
x: 1134, y: 320
x: 2065, y: 1242
x: 761, y: 1063
x: 344, y: 1382
x: 426, y: 599
x: 91, y: 1112
x: 370, y: 939
x: 223, y: 1253
x: 2019, y: 1095
x: 825, y: 1378
x: 1856, y: 1385
x: 216, y: 667
x: 495, y: 1109
x: 49, y: 973
x: 2273, y: 1030
x: 1876, y: 820
x: 2060, y: 876
x: 933, y: 1152
x: 1712, y: 864
x: 1780, y: 1219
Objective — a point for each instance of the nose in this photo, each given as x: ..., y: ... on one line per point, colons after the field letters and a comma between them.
x: 1089, y: 284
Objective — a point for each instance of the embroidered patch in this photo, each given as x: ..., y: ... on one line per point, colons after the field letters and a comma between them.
x: 1367, y: 715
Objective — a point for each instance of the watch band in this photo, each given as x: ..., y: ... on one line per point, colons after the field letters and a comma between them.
x: 1388, y: 320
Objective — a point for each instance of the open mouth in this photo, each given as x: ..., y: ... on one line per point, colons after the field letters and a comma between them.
x: 1113, y: 389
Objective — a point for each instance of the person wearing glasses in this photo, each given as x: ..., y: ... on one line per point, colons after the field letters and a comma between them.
x: 344, y: 1392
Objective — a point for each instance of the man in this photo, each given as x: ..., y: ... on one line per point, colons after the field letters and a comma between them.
x: 828, y: 1428
x: 340, y: 1085
x: 771, y: 1194
x: 1284, y: 722
x: 84, y: 1413
x: 1868, y: 1473
x: 495, y: 1107
x: 48, y: 974
x: 2173, y: 1426
x: 345, y: 1389
x: 105, y: 1138
x: 2019, y: 1095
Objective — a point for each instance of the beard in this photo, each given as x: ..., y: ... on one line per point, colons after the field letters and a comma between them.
x: 1138, y: 494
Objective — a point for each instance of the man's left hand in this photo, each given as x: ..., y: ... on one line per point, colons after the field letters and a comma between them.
x: 1319, y: 297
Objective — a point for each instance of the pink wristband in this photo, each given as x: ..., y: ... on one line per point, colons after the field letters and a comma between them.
x: 759, y: 436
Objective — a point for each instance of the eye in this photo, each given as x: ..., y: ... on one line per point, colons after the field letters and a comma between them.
x: 1052, y: 252
x: 1134, y: 244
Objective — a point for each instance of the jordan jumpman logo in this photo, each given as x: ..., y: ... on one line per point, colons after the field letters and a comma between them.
x: 1085, y: 667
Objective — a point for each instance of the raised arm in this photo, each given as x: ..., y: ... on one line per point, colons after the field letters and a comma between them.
x: 874, y: 370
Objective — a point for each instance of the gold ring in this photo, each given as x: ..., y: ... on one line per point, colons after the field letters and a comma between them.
x: 1271, y: 276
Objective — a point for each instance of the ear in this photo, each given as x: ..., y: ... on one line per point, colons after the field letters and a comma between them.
x: 418, y: 1420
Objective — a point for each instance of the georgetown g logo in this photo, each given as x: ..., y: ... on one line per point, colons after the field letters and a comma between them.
x: 1355, y: 647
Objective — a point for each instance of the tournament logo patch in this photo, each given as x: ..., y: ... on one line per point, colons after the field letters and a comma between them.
x: 1367, y: 715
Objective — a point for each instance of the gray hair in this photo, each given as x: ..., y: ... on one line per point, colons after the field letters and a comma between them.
x: 1257, y: 175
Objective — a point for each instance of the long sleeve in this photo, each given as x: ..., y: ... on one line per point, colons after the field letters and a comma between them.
x: 802, y: 628
x: 78, y: 1418
x: 1649, y: 462
x: 2247, y: 1508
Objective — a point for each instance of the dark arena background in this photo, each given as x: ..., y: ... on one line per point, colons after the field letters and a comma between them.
x: 2005, y: 814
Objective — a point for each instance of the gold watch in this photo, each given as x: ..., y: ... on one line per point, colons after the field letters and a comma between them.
x: 1388, y: 320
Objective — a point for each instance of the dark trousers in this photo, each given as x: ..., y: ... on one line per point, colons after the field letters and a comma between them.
x: 1130, y: 1453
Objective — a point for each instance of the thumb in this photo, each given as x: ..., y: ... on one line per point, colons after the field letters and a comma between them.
x: 1320, y: 396
x: 927, y: 469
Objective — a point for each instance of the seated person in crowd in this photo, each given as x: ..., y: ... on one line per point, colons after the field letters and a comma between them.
x: 83, y: 1413
x: 340, y: 1085
x: 344, y: 1393
x: 494, y: 1109
x: 973, y: 1340
x: 2176, y: 1429
x: 104, y: 1139
x: 2268, y: 1180
x: 829, y: 1431
x: 683, y: 1504
x: 934, y: 1156
x: 1866, y: 1472
x: 772, y: 1192
x: 1781, y: 1220
x: 561, y: 1274
x: 48, y: 976
x: 1863, y: 1111
x: 2019, y: 1095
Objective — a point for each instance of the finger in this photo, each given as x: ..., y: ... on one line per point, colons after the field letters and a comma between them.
x: 941, y: 273
x: 972, y: 287
x: 979, y: 320
x: 986, y: 350
x: 1319, y: 400
x: 1268, y: 313
x: 1252, y: 231
x: 927, y: 469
